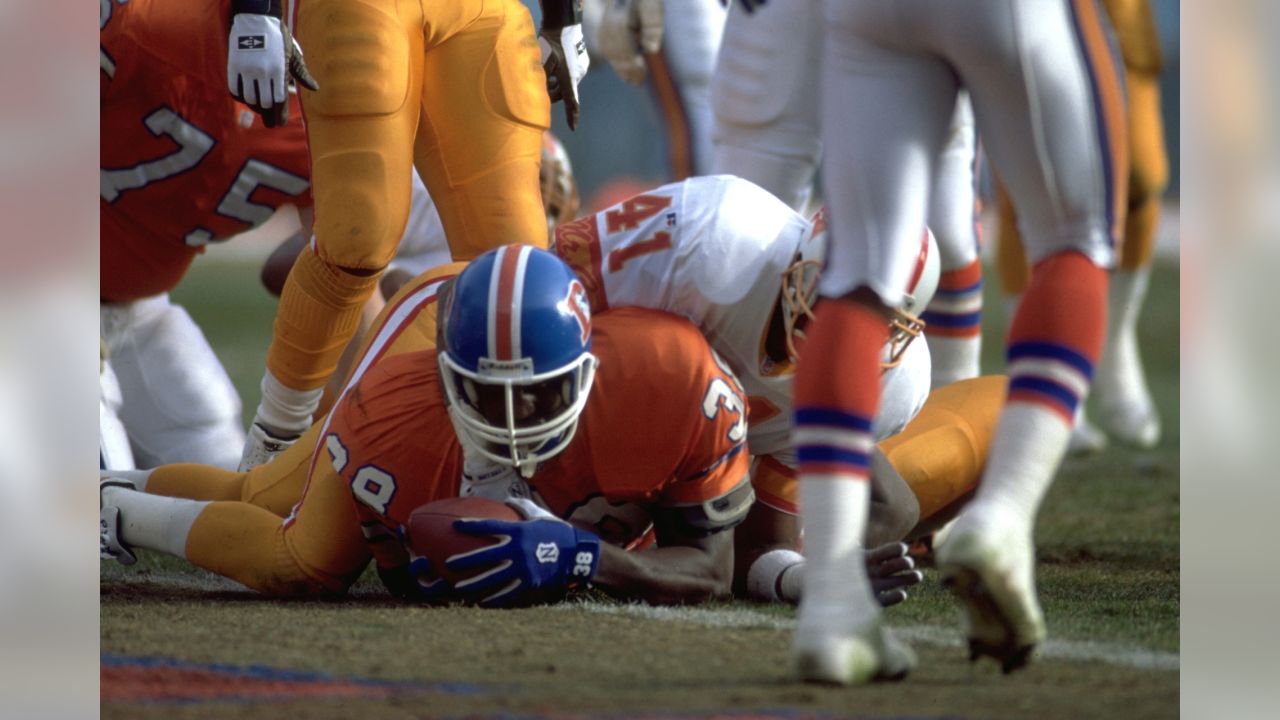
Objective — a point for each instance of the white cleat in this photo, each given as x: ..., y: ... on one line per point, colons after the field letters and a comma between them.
x: 1086, y: 438
x: 261, y: 447
x: 870, y: 654
x: 110, y: 546
x: 993, y: 574
x: 1134, y: 422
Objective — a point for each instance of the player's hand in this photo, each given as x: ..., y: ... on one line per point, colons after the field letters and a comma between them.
x: 426, y: 585
x: 564, y: 58
x: 890, y: 570
x: 260, y: 51
x: 525, y: 557
x: 629, y: 30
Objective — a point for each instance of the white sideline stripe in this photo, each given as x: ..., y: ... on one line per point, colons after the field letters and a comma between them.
x: 1110, y: 653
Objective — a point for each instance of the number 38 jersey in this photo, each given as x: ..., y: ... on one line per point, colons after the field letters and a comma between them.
x: 662, y: 437
x: 182, y: 163
x: 713, y: 249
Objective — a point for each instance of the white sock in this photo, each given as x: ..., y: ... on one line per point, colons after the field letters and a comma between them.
x: 286, y: 412
x: 776, y: 576
x: 953, y: 358
x: 836, y: 595
x: 154, y: 522
x: 1029, y: 444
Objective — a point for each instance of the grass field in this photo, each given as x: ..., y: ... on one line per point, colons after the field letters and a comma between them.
x: 178, y: 642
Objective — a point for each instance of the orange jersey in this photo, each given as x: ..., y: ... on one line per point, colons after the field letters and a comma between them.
x: 664, y: 427
x: 182, y: 164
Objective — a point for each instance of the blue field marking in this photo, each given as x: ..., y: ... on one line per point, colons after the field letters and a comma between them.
x: 264, y: 673
x: 760, y: 714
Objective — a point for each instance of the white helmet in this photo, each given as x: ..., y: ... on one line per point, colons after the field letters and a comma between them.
x: 906, y: 324
x: 800, y: 286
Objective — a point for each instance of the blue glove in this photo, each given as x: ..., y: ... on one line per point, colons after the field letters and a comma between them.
x: 432, y: 591
x: 528, y: 555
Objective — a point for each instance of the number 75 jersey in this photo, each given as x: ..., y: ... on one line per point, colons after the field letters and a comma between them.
x: 713, y: 249
x: 182, y: 163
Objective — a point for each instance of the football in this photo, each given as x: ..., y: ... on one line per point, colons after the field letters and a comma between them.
x: 431, y: 534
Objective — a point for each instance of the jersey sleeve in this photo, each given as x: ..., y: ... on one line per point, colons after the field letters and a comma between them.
x: 711, y: 489
x: 683, y: 453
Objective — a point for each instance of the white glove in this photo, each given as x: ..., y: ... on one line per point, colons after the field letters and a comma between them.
x: 628, y: 30
x: 259, y: 51
x: 565, y: 60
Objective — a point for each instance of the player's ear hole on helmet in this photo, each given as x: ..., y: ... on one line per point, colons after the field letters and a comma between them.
x: 531, y: 405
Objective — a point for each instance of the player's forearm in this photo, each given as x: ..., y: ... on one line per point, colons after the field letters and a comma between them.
x: 667, y: 575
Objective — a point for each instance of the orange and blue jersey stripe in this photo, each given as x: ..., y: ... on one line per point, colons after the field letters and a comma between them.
x: 1050, y: 375
x: 832, y: 442
x: 1106, y: 82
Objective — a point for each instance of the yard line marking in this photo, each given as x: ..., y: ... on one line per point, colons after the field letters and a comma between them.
x: 1076, y: 650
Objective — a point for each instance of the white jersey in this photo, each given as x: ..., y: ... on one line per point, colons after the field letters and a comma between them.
x: 713, y: 249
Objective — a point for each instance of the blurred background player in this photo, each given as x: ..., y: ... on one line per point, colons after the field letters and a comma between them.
x: 1125, y: 410
x: 182, y: 165
x: 766, y: 101
x: 1048, y: 100
x: 452, y: 88
x: 670, y: 47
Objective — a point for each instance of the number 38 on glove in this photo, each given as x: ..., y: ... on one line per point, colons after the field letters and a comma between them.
x: 528, y: 561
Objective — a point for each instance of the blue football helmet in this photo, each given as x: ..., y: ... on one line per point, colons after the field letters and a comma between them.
x: 515, y: 355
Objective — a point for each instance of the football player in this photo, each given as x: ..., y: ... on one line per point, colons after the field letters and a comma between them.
x: 1049, y: 103
x: 1125, y: 408
x: 743, y: 267
x: 765, y: 98
x: 453, y: 88
x: 525, y: 378
x: 182, y: 165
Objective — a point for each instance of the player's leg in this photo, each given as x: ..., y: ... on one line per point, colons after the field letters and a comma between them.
x: 178, y: 403
x: 484, y: 111
x: 360, y: 128
x: 885, y: 114
x: 114, y: 450
x: 275, y: 486
x: 317, y: 550
x: 954, y: 317
x: 765, y: 98
x: 941, y: 453
x: 1015, y: 272
x: 1049, y: 104
x: 680, y: 81
x: 1124, y: 405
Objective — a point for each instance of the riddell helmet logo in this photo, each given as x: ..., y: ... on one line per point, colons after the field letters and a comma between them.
x: 577, y: 303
